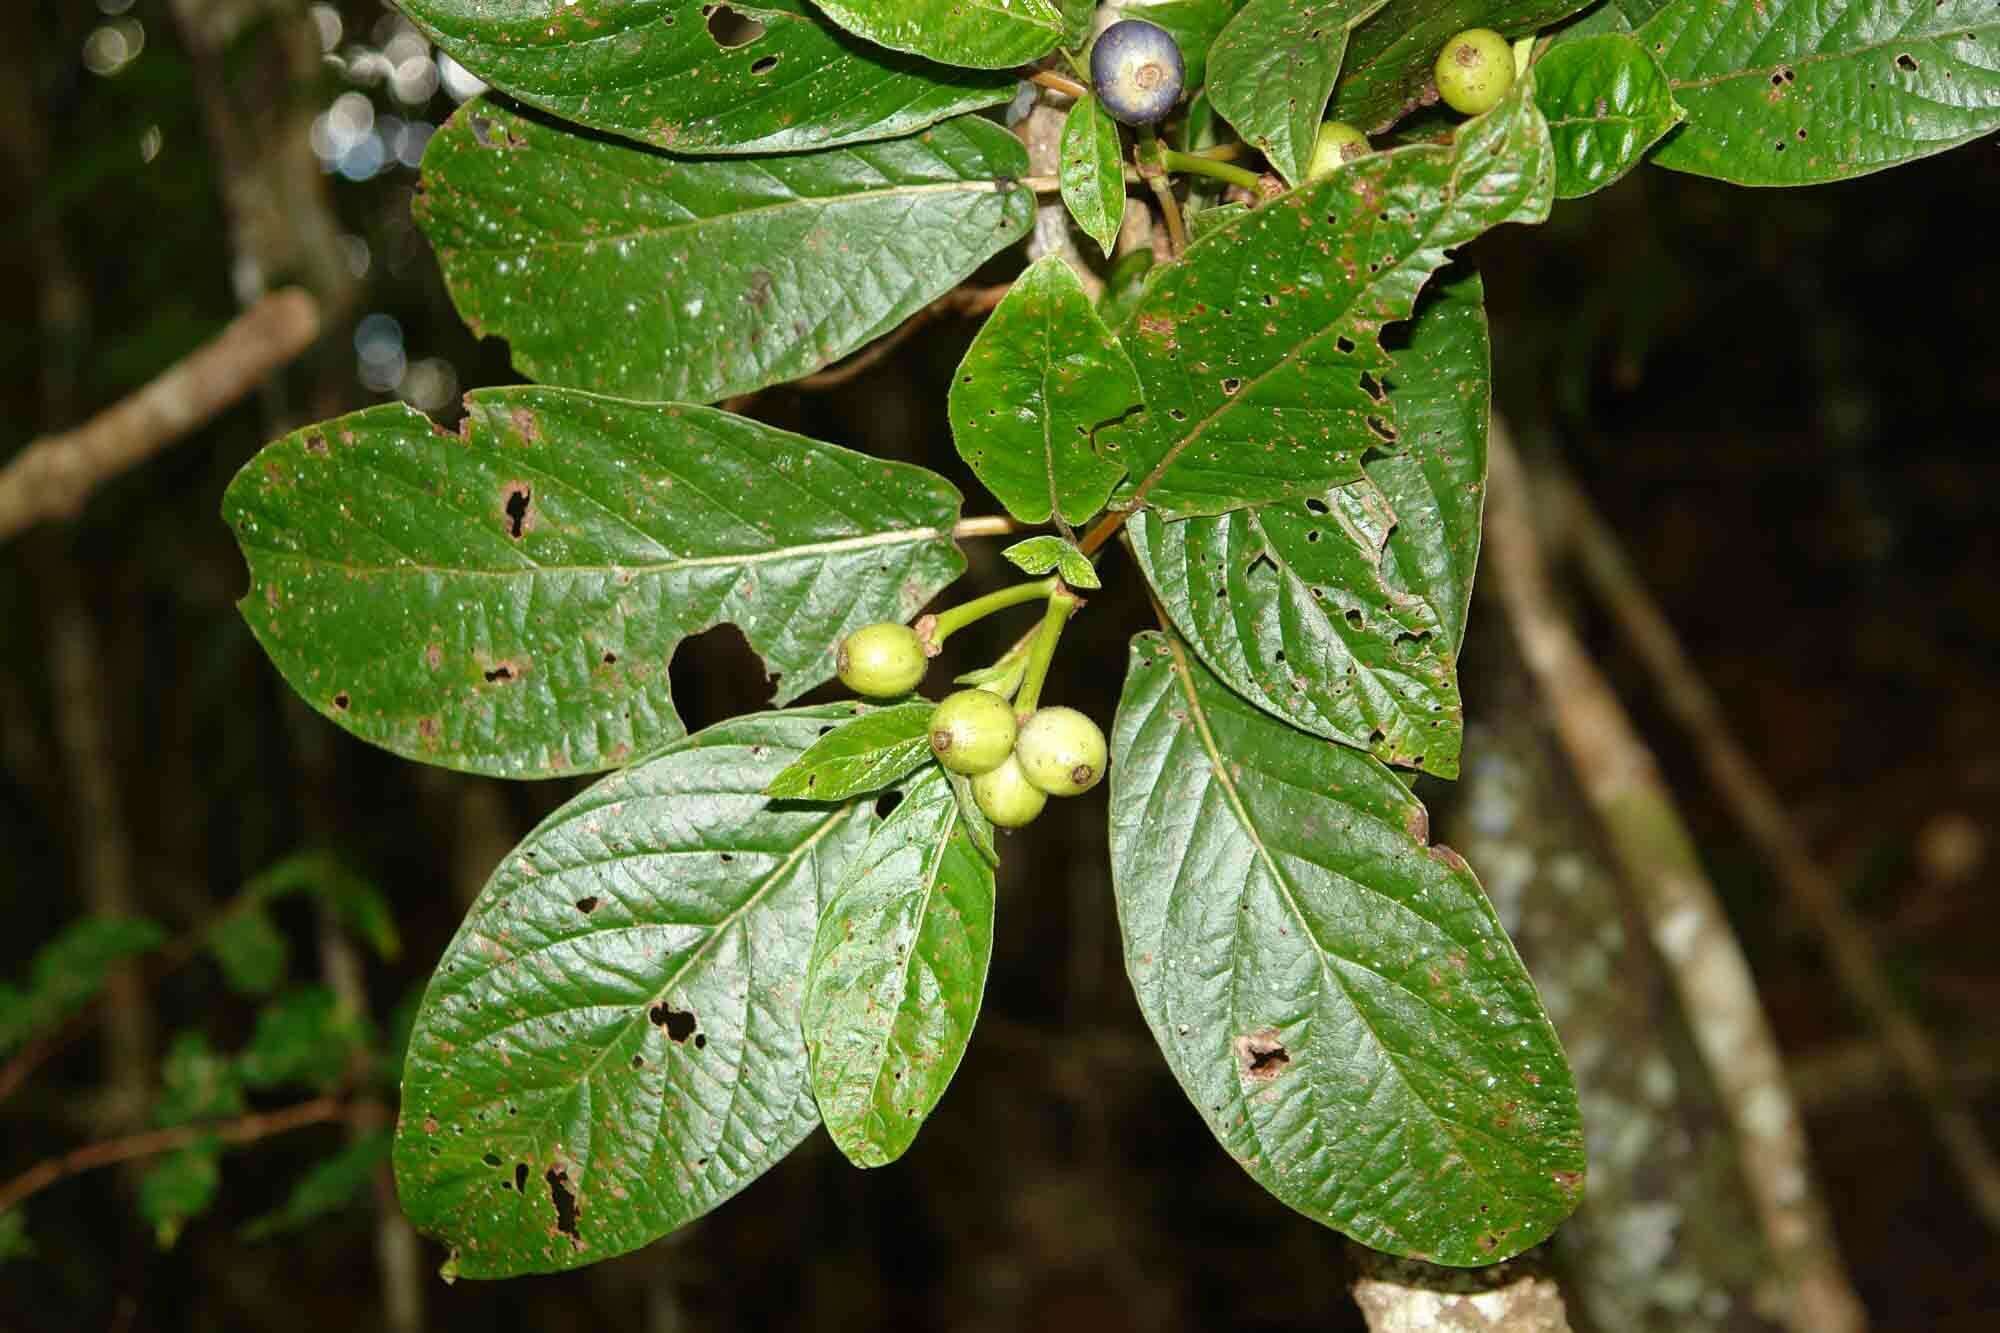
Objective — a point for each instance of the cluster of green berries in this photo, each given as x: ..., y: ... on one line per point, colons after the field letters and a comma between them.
x: 1015, y: 763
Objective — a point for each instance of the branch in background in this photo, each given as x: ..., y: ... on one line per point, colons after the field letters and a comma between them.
x: 1402, y: 1296
x: 52, y: 477
x: 1620, y: 779
x: 244, y: 1129
x: 1761, y: 811
x: 1861, y: 1071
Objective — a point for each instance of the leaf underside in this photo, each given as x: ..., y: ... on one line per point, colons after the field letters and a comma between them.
x: 1334, y: 994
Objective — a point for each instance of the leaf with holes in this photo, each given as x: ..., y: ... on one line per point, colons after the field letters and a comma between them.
x: 983, y: 34
x: 1789, y: 92
x: 1259, y: 354
x: 612, y: 267
x: 773, y: 76
x: 1272, y: 69
x: 610, y: 1046
x: 1040, y: 555
x: 898, y: 972
x: 1039, y: 379
x: 507, y: 600
x: 1334, y: 994
x: 1607, y: 101
x: 877, y: 749
x: 1093, y: 171
x: 1387, y: 73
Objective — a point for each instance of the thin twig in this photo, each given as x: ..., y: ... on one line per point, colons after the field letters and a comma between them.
x: 243, y: 1129
x: 987, y: 525
x: 1058, y: 83
x: 1762, y: 812
x: 1621, y: 780
x: 53, y: 476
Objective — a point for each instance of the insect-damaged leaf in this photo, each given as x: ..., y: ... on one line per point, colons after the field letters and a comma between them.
x: 621, y: 269
x: 1607, y: 101
x: 985, y: 34
x: 1260, y: 355
x: 1271, y: 70
x: 1093, y: 171
x: 1387, y: 73
x: 768, y: 76
x: 507, y: 600
x: 610, y: 1046
x: 898, y: 973
x: 1334, y: 994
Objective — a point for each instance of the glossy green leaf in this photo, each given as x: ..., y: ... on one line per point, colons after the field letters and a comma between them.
x: 197, y: 1082
x: 984, y: 34
x: 1437, y: 485
x: 610, y: 1046
x: 1078, y: 17
x: 1040, y: 555
x: 973, y: 820
x: 1093, y: 171
x: 657, y: 71
x: 506, y: 600
x: 898, y: 972
x: 1272, y: 69
x: 250, y: 949
x: 69, y: 971
x: 1194, y: 26
x: 1609, y: 16
x: 1334, y: 993
x: 621, y: 269
x: 1796, y: 92
x: 330, y: 1186
x: 304, y: 1036
x: 1607, y: 101
x: 178, y: 1188
x: 878, y: 749
x: 1034, y: 386
x: 1387, y: 74
x: 1260, y: 353
x: 1288, y: 604
x: 1214, y: 219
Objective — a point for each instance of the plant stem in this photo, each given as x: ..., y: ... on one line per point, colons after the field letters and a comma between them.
x: 1222, y: 152
x: 1203, y: 166
x: 1059, y: 83
x: 986, y: 525
x: 946, y: 623
x: 1062, y: 602
x: 1150, y: 166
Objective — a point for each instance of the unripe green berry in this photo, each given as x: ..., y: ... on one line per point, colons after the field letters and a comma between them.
x: 1338, y: 144
x: 972, y: 731
x: 882, y: 660
x: 1005, y: 796
x: 1061, y: 751
x: 1474, y: 71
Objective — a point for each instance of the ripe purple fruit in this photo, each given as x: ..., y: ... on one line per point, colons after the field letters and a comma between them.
x: 1137, y: 71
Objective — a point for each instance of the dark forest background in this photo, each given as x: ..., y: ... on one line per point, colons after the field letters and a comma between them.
x: 1783, y: 402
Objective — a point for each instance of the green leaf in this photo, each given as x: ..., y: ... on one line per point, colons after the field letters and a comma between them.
x: 15, y: 1243
x: 984, y: 34
x: 250, y: 949
x: 1125, y: 282
x: 612, y: 267
x: 196, y: 1083
x: 331, y: 1185
x: 1039, y: 555
x: 1608, y: 17
x: 877, y: 749
x: 898, y: 972
x: 657, y: 71
x: 352, y: 898
x: 1259, y: 354
x: 1792, y: 92
x: 1272, y: 69
x: 1093, y: 171
x: 610, y: 1046
x: 69, y: 971
x: 1078, y: 17
x: 1039, y: 379
x: 973, y: 820
x: 506, y: 600
x: 1194, y: 26
x: 1214, y: 219
x: 304, y: 1036
x: 1437, y: 485
x: 1389, y: 58
x: 179, y: 1188
x: 1334, y: 994
x: 1606, y: 100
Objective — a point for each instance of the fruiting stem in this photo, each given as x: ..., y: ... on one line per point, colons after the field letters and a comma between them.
x: 1202, y: 166
x: 1062, y: 602
x: 1150, y: 166
x: 947, y: 623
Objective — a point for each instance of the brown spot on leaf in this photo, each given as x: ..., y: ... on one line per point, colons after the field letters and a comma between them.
x: 1261, y: 1056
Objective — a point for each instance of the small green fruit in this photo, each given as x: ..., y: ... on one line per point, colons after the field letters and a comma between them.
x: 972, y: 732
x: 882, y: 661
x: 1338, y: 144
x: 1474, y: 71
x: 1005, y: 796
x: 1061, y: 751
